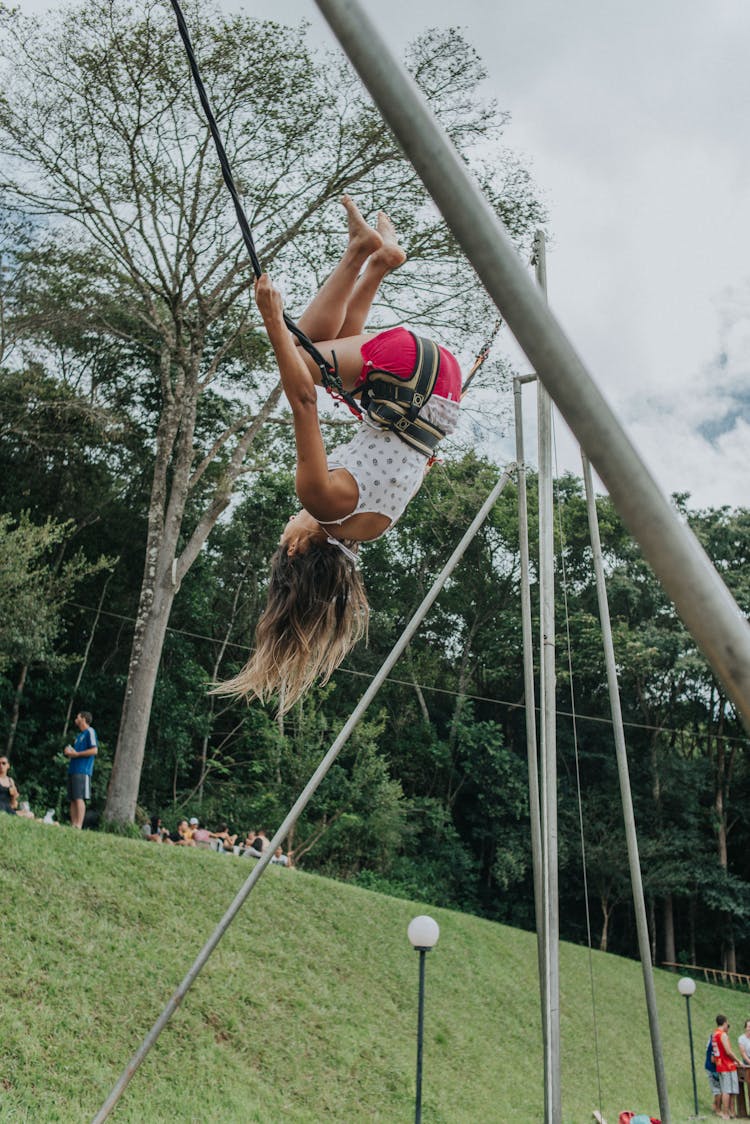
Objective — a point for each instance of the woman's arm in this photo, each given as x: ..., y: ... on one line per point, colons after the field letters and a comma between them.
x: 323, y: 495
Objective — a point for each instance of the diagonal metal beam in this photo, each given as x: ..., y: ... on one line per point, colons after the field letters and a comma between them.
x: 680, y: 563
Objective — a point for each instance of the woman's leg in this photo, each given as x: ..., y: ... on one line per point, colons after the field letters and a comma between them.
x: 324, y: 316
x: 389, y: 257
x: 348, y: 358
x: 343, y: 303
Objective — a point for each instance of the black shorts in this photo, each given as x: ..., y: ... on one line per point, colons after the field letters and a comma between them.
x: 79, y: 786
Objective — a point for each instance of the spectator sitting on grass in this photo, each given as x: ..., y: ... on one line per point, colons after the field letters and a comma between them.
x: 189, y: 831
x: 183, y: 836
x: 262, y: 842
x: 280, y: 858
x: 8, y: 790
x: 251, y: 847
x: 227, y: 841
x: 151, y: 830
x: 201, y: 834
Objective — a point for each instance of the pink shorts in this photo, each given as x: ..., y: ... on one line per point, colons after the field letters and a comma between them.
x: 396, y: 352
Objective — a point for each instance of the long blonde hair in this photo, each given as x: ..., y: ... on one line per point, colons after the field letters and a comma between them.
x: 316, y: 612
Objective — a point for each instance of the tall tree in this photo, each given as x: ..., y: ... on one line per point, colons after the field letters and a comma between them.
x: 100, y: 129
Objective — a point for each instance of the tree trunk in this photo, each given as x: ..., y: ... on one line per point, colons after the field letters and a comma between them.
x: 730, y: 952
x: 166, y: 509
x: 670, y: 955
x: 148, y: 642
x: 16, y: 710
x: 606, y: 913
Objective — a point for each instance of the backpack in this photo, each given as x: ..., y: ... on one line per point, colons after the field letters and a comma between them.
x: 710, y: 1063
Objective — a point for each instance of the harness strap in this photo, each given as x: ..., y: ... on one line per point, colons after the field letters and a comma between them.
x: 328, y: 371
x: 419, y: 433
x: 393, y: 402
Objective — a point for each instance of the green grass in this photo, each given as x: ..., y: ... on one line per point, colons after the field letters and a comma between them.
x: 307, y: 1010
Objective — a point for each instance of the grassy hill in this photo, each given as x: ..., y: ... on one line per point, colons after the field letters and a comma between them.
x: 307, y: 1010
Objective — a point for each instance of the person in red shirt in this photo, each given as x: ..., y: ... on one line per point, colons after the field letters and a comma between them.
x: 726, y: 1067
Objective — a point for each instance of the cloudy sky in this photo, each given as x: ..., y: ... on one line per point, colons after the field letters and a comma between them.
x: 633, y: 118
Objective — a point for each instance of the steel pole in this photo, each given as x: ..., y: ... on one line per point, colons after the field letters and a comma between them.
x: 702, y: 599
x: 626, y: 796
x: 692, y: 1054
x: 548, y: 729
x: 528, y: 687
x: 302, y: 801
x: 420, y: 1037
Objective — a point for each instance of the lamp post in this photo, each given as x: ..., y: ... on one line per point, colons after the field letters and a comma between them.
x: 423, y: 933
x: 686, y: 987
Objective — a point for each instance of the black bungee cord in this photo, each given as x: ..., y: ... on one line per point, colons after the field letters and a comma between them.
x: 328, y: 371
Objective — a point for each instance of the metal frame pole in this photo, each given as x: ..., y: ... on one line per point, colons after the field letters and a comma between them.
x: 628, y: 813
x: 548, y: 729
x: 420, y: 1037
x: 702, y: 599
x: 692, y: 1054
x: 528, y: 677
x: 302, y: 801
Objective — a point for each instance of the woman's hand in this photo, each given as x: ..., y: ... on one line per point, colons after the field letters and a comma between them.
x: 269, y: 301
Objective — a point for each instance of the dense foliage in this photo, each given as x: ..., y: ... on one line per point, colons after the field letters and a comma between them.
x: 430, y: 797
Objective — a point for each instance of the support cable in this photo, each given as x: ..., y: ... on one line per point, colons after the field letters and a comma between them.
x: 302, y: 801
x: 482, y: 356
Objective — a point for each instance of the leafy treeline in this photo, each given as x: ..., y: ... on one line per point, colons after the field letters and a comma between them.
x: 146, y: 475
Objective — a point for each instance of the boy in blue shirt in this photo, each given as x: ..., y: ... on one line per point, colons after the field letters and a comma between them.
x: 81, y: 767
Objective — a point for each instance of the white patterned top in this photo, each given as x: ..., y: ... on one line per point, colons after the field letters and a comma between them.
x: 387, y: 471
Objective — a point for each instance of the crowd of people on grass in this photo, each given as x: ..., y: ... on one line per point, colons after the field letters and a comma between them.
x: 191, y: 833
x: 188, y: 833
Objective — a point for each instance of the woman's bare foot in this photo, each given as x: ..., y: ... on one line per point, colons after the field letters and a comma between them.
x: 390, y: 254
x: 362, y: 238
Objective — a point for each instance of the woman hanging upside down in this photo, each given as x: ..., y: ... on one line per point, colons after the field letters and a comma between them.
x: 317, y: 608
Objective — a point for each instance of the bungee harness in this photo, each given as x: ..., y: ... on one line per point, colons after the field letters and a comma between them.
x: 394, y: 402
